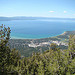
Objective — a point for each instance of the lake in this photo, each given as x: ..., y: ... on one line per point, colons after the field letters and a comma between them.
x: 36, y: 29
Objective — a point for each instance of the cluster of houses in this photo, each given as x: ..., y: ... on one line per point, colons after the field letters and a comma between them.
x: 46, y: 43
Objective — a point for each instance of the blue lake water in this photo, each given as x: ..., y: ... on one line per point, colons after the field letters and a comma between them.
x: 35, y: 29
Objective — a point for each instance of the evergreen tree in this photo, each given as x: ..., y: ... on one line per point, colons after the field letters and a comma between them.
x: 4, y: 49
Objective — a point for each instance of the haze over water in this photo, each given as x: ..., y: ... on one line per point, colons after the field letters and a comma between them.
x: 36, y: 29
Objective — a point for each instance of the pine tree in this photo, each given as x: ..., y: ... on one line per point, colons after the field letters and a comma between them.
x: 4, y: 49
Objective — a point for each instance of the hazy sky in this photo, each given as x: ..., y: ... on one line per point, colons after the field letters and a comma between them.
x: 38, y: 8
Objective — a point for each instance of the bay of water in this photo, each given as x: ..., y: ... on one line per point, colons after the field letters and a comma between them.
x: 36, y: 29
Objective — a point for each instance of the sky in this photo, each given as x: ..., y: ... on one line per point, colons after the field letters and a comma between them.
x: 38, y: 8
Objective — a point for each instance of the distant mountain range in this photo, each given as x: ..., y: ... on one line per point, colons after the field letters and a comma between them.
x: 32, y: 18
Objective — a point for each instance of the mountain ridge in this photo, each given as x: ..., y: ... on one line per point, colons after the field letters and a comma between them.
x: 32, y: 18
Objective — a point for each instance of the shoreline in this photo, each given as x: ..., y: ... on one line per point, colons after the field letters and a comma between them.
x: 39, y: 38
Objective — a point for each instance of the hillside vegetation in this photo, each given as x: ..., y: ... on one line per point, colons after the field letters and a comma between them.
x: 52, y: 62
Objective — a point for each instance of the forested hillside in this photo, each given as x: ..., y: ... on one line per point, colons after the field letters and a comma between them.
x: 51, y: 62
